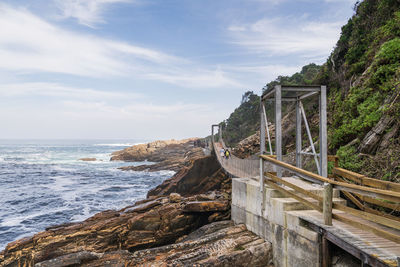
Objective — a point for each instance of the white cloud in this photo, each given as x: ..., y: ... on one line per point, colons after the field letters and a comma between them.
x: 285, y: 36
x: 33, y: 89
x: 202, y: 79
x: 87, y: 12
x: 29, y: 44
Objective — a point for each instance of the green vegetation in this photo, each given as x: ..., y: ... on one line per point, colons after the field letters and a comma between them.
x: 305, y: 76
x: 349, y: 158
x: 363, y: 78
x: 244, y: 121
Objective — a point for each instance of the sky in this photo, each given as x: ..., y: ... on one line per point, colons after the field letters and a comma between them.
x: 149, y: 69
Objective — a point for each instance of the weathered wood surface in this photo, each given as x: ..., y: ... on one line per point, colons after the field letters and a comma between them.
x: 365, y: 241
x: 363, y: 190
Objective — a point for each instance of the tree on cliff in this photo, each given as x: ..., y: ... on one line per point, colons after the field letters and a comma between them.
x: 244, y: 121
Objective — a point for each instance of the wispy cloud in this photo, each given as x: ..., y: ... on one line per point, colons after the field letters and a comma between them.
x: 285, y: 36
x: 32, y: 89
x: 29, y: 44
x: 87, y: 12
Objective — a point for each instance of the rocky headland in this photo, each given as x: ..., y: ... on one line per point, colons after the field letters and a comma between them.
x: 167, y: 155
x: 182, y: 222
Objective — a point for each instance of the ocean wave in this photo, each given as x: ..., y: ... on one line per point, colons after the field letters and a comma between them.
x: 13, y: 221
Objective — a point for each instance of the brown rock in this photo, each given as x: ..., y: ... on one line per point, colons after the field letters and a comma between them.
x: 148, y: 224
x: 202, y: 175
x: 70, y: 259
x: 88, y: 159
x: 204, y: 206
x: 175, y: 198
x: 217, y: 244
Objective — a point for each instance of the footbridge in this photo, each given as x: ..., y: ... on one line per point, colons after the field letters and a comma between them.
x: 321, y: 218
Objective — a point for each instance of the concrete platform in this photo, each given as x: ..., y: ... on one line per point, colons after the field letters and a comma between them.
x: 285, y: 223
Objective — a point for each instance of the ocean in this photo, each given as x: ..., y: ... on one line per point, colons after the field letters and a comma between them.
x: 43, y: 183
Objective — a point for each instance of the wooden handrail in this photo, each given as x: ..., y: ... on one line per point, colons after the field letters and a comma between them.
x: 277, y: 183
x: 363, y: 190
x: 363, y: 180
x: 378, y: 218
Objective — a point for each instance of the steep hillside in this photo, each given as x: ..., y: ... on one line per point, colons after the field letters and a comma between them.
x: 363, y: 78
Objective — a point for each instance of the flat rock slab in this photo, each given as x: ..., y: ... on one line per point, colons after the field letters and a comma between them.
x: 205, y: 206
x: 216, y: 244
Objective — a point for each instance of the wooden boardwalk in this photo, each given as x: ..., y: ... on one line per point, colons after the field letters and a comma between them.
x: 371, y: 248
x: 363, y: 238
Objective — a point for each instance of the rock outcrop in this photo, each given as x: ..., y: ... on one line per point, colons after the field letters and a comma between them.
x: 149, y: 223
x: 88, y: 159
x: 216, y: 244
x: 168, y: 155
x: 181, y: 223
x: 202, y: 175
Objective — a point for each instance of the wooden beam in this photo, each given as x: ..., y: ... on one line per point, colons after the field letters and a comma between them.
x: 379, y: 202
x: 363, y: 180
x: 350, y: 195
x: 326, y: 252
x: 369, y: 216
x: 379, y: 193
x: 369, y: 228
x: 276, y: 179
x: 365, y: 208
x: 327, y: 204
x: 293, y: 195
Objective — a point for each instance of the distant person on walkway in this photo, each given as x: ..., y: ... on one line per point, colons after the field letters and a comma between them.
x: 222, y: 152
x: 227, y: 154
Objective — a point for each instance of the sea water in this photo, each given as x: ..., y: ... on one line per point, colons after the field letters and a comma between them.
x: 43, y: 183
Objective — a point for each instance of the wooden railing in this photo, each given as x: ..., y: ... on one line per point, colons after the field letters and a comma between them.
x: 358, y: 189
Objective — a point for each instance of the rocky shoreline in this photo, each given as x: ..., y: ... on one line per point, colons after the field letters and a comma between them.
x: 183, y: 222
x: 167, y: 155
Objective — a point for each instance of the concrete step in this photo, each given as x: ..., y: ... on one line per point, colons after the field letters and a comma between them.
x: 313, y: 188
x: 275, y: 208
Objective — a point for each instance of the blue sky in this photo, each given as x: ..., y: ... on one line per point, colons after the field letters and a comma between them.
x: 149, y: 69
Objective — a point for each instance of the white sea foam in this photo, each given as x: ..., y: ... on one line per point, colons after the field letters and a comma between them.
x: 81, y: 217
x: 13, y: 221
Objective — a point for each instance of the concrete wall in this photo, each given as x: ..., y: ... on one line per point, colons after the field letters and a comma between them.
x: 278, y: 222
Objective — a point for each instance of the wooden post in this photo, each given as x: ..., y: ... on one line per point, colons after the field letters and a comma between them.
x: 327, y: 204
x: 326, y: 252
